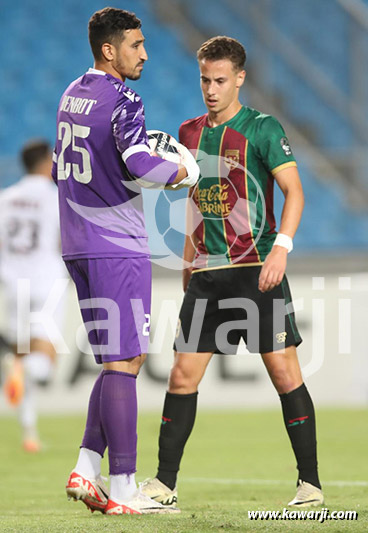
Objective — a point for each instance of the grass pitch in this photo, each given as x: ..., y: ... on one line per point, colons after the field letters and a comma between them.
x: 234, y: 462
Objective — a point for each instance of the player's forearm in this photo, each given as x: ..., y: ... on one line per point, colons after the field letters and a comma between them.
x: 292, y: 212
x: 152, y: 169
x: 189, y: 250
x: 289, y: 182
x: 273, y: 269
x: 191, y: 240
x: 181, y: 174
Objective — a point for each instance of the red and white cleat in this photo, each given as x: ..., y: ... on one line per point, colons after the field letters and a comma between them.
x: 113, y: 508
x: 139, y: 504
x: 92, y: 492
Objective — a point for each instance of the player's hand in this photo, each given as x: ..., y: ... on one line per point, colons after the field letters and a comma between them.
x: 191, y: 166
x: 273, y: 269
x: 187, y: 272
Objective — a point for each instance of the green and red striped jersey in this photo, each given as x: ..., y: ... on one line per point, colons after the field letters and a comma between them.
x: 234, y: 195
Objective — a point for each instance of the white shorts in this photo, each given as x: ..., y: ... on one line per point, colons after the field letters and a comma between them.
x: 21, y: 322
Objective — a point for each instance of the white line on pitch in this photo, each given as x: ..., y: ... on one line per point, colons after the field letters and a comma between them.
x: 224, y: 481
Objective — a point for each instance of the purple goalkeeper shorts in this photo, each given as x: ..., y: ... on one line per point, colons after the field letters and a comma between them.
x: 115, y: 301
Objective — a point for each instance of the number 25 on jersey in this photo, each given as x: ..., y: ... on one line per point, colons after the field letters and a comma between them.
x: 69, y: 134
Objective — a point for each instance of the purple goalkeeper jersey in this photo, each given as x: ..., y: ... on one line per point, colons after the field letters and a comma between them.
x: 100, y: 123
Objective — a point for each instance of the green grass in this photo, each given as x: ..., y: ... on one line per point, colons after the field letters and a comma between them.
x: 234, y: 462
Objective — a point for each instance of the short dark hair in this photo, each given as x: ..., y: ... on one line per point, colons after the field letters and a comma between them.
x: 108, y: 25
x: 222, y: 47
x: 34, y: 152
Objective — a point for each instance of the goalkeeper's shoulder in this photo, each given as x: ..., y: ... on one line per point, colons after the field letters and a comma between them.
x: 189, y: 128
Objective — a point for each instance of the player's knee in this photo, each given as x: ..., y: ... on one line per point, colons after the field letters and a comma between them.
x: 43, y: 346
x: 285, y: 382
x: 178, y: 378
x: 182, y: 380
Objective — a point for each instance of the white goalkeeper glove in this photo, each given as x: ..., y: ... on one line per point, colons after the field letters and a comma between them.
x: 193, y: 170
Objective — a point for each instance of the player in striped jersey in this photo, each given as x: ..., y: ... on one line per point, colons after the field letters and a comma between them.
x: 235, y: 262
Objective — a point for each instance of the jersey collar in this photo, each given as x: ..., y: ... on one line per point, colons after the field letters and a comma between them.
x: 96, y: 71
x: 241, y: 110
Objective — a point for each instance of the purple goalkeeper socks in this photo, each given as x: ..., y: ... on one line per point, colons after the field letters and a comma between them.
x: 118, y: 413
x: 94, y: 436
x: 112, y: 420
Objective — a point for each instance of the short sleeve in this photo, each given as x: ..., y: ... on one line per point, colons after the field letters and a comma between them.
x: 273, y: 146
x: 181, y: 135
x: 128, y: 125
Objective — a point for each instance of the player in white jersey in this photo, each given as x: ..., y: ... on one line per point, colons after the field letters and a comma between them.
x: 29, y: 265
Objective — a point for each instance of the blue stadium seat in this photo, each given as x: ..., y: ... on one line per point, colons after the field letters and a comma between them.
x: 49, y: 49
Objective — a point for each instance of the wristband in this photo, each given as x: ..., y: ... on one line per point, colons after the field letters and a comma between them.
x: 285, y: 241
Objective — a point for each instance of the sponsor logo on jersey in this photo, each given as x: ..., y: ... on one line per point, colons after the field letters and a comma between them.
x: 285, y: 145
x: 281, y: 337
x: 130, y: 96
x: 232, y: 158
x: 213, y: 200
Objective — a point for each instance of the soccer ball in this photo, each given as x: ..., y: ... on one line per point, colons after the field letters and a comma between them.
x: 164, y: 145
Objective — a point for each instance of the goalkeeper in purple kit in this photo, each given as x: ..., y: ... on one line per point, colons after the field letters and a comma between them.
x: 101, y: 154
